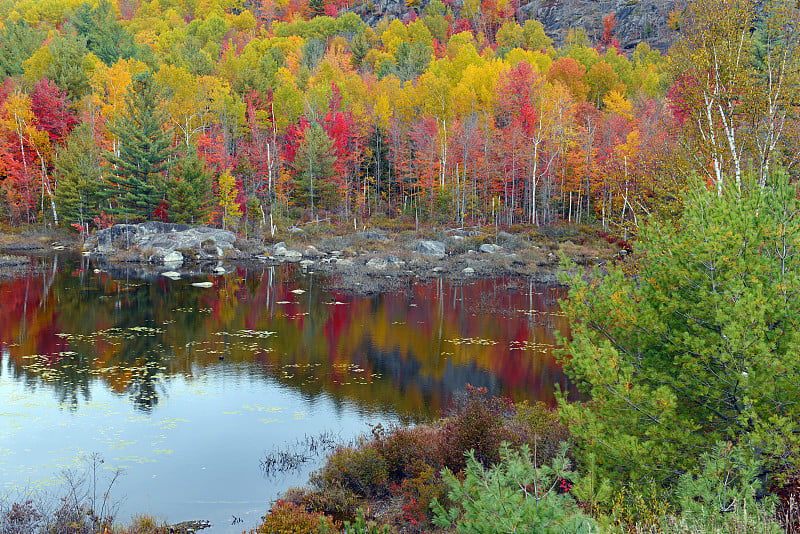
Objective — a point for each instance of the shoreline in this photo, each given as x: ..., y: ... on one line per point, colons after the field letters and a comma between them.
x: 362, y: 263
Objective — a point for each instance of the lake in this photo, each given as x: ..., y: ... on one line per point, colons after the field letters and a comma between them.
x: 188, y: 389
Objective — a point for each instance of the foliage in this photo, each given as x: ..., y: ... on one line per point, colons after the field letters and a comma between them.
x: 78, y: 169
x: 736, y: 77
x: 513, y: 496
x: 360, y: 526
x: 288, y: 518
x: 477, y: 424
x: 540, y: 426
x: 700, y: 347
x: 18, y: 41
x: 306, y: 107
x: 315, y: 162
x: 418, y: 493
x: 360, y: 470
x: 189, y: 192
x: 229, y: 200
x: 723, y: 490
x: 104, y: 34
x: 144, y: 149
x: 644, y: 505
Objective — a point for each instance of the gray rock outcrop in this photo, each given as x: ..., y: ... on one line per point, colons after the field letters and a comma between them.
x: 159, y: 242
x: 637, y: 21
x: 489, y: 248
x: 431, y: 248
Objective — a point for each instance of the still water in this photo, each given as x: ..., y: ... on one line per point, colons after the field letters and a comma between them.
x: 185, y: 389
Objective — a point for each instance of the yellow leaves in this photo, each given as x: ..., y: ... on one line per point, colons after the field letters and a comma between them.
x: 539, y: 61
x: 475, y: 91
x: 36, y: 65
x: 384, y: 96
x: 110, y: 85
x: 616, y: 104
x: 244, y: 21
x: 228, y: 192
x: 17, y: 111
x: 395, y: 34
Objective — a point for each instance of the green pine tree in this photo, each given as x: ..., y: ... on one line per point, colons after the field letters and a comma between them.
x: 315, y: 161
x: 105, y: 36
x: 189, y: 192
x: 18, y: 41
x: 700, y: 347
x: 78, y: 170
x: 136, y: 187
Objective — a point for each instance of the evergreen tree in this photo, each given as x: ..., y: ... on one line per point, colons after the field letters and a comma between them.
x: 77, y: 167
x: 189, y: 192
x: 104, y: 34
x: 144, y: 151
x: 18, y: 41
x: 701, y: 346
x: 315, y: 161
x: 69, y: 66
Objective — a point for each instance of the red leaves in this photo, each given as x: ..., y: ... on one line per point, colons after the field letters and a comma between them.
x: 52, y: 109
x: 608, y: 39
x: 515, y: 97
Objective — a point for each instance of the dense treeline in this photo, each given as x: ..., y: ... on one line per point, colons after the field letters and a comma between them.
x: 227, y: 112
x: 219, y: 111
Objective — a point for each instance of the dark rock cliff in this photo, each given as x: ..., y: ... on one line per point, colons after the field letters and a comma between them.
x: 637, y: 20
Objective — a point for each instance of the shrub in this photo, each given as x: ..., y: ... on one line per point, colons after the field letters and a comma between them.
x: 541, y: 427
x: 418, y: 493
x: 20, y: 518
x: 288, y: 518
x: 513, y: 496
x: 359, y: 469
x: 335, y: 501
x: 720, y: 496
x: 407, y: 451
x: 477, y: 424
x: 640, y: 506
x: 146, y: 524
x: 360, y: 526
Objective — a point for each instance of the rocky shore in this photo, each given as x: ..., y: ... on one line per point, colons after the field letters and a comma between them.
x: 361, y: 262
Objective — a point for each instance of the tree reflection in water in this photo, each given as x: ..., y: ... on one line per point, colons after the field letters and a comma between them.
x: 66, y: 326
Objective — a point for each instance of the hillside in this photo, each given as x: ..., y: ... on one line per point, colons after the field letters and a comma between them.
x: 637, y: 20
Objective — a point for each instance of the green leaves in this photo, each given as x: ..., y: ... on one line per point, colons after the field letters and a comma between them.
x: 701, y: 346
x: 144, y: 149
x: 512, y: 496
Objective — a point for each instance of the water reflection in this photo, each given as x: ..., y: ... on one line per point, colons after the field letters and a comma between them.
x: 401, y: 352
x: 186, y: 387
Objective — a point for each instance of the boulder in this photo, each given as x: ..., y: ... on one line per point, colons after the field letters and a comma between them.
x: 372, y: 234
x: 292, y: 256
x: 162, y: 242
x: 311, y: 252
x: 279, y: 249
x: 378, y: 264
x: 468, y: 271
x: 173, y: 257
x: 431, y: 248
x: 488, y: 248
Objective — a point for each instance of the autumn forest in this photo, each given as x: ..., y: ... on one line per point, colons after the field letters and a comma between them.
x: 229, y: 112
